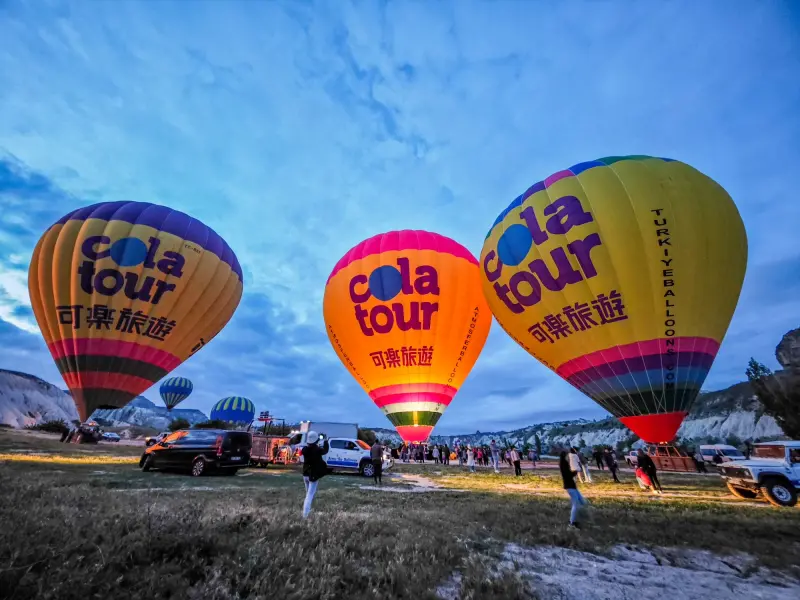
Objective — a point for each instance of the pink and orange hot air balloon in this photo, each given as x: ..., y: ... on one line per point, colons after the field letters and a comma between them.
x: 405, y: 314
x: 124, y: 292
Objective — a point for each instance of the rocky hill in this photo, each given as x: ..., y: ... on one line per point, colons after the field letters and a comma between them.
x: 27, y: 400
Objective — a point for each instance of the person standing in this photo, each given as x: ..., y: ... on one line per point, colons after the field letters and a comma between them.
x: 376, y: 455
x: 314, y: 468
x: 584, y: 467
x: 495, y: 451
x: 568, y: 474
x: 700, y: 462
x: 515, y: 460
x: 598, y: 458
x: 436, y: 455
x: 611, y: 462
x: 470, y: 459
x: 575, y: 463
x: 649, y: 467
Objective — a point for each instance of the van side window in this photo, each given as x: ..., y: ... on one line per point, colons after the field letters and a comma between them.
x: 351, y: 446
x: 794, y: 455
x: 338, y: 444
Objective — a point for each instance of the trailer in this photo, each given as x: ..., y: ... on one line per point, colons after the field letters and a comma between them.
x: 270, y: 449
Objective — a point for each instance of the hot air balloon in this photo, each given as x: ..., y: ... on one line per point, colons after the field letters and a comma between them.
x: 174, y: 391
x: 234, y: 409
x: 405, y: 314
x: 621, y: 275
x: 124, y: 292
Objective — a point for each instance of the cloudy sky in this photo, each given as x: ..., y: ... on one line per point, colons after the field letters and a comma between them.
x: 297, y: 129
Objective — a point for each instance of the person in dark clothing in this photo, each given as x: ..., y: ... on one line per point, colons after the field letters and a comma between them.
x: 376, y: 454
x: 598, y: 458
x: 568, y: 478
x: 649, y: 467
x: 314, y: 468
x: 612, y: 464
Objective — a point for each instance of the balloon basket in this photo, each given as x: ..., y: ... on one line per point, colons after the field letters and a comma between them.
x: 668, y: 457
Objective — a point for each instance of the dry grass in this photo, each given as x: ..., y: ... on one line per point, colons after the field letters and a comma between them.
x: 80, y: 532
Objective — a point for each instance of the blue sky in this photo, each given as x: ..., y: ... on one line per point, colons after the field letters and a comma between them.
x: 296, y: 130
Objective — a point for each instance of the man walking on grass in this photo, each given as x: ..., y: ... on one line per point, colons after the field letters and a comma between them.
x: 376, y: 454
x: 495, y: 455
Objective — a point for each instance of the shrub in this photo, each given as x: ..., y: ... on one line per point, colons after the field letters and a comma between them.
x: 213, y: 424
x: 178, y: 424
x: 55, y: 426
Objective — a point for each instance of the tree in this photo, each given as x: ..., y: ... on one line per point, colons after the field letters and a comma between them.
x: 214, y: 424
x: 779, y: 395
x: 367, y: 436
x: 733, y: 440
x: 538, y: 443
x: 178, y: 424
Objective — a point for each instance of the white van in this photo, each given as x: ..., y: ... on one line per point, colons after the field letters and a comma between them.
x: 726, y: 452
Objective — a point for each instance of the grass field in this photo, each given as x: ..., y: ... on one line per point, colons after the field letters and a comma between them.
x: 83, y: 521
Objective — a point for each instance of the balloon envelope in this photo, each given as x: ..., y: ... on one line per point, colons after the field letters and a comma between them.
x: 124, y: 292
x: 234, y: 409
x: 175, y: 390
x: 405, y: 314
x: 621, y: 275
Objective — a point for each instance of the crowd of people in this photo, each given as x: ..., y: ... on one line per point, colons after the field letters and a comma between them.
x: 573, y: 465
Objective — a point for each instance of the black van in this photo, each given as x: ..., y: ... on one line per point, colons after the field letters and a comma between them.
x: 199, y: 451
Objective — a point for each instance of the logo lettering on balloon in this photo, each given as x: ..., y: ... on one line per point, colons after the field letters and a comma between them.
x: 386, y: 283
x: 129, y: 252
x: 525, y: 287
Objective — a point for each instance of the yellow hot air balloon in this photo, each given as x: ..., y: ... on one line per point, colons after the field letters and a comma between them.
x: 405, y: 314
x: 124, y: 292
x: 621, y: 275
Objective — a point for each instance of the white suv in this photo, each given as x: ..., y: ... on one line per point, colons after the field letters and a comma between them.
x: 772, y: 471
x: 348, y: 454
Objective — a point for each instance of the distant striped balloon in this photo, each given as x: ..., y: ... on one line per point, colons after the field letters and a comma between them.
x: 124, y: 292
x: 175, y: 390
x: 234, y: 409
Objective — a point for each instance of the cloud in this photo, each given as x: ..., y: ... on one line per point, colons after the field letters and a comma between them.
x: 298, y: 129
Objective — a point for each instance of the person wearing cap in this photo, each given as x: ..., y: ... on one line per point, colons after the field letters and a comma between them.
x: 314, y: 468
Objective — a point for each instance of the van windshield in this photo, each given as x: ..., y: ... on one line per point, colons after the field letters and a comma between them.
x: 731, y: 452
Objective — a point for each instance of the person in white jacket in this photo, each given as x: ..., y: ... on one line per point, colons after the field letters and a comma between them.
x: 471, y: 459
x: 575, y: 463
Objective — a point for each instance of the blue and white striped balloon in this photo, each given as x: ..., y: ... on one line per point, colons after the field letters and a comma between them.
x: 175, y: 390
x: 235, y: 409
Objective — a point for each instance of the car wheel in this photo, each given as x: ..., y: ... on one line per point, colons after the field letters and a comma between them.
x: 779, y: 492
x: 742, y: 493
x: 198, y: 467
x: 368, y: 469
x: 146, y: 463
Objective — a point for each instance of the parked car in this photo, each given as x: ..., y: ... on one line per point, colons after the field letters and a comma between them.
x: 110, y: 436
x: 726, y: 452
x: 199, y: 451
x: 351, y: 454
x: 154, y: 439
x: 632, y: 459
x: 773, y: 471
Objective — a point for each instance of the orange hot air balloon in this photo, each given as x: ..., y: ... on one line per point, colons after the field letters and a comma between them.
x: 124, y: 292
x: 406, y: 315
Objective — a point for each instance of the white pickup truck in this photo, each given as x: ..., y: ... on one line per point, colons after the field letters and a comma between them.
x: 773, y: 471
x: 351, y: 454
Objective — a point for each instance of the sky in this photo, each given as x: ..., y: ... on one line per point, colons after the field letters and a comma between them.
x: 297, y: 129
